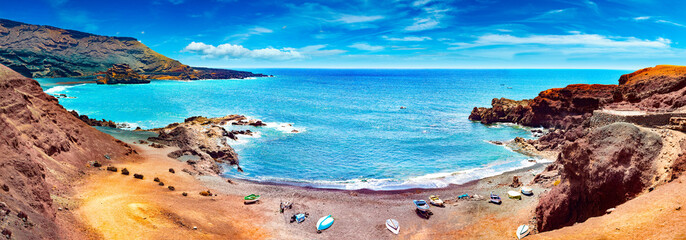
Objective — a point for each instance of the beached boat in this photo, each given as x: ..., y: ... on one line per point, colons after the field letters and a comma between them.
x: 300, y: 217
x: 324, y: 223
x: 421, y: 205
x: 393, y: 225
x: 495, y: 199
x: 435, y: 200
x: 522, y: 231
x: 514, y: 195
x: 252, y: 198
x: 527, y: 191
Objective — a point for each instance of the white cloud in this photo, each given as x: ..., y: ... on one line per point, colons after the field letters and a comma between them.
x: 421, y: 24
x: 408, y: 38
x: 366, y: 47
x: 575, y: 39
x: 238, y: 51
x: 358, y: 19
x: 642, y: 18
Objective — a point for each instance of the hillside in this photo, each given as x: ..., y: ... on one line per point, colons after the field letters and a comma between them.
x: 44, y: 149
x: 43, y: 51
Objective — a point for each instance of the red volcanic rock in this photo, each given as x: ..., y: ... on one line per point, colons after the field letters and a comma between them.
x: 650, y: 81
x: 660, y: 88
x: 605, y: 168
x: 43, y: 147
x: 557, y: 107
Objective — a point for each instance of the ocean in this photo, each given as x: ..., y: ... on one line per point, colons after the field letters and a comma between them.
x: 353, y: 133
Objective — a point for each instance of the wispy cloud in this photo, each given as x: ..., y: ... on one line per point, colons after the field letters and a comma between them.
x: 656, y: 20
x: 257, y: 30
x: 366, y: 47
x: 239, y: 52
x: 670, y: 23
x: 318, y: 50
x: 419, y: 3
x: 421, y: 24
x: 407, y: 39
x: 575, y: 39
x: 358, y: 19
x: 431, y: 17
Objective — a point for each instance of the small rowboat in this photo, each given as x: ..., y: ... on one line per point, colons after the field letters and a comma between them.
x: 527, y: 191
x: 421, y: 205
x: 435, y: 200
x: 495, y: 199
x: 514, y: 195
x: 324, y: 223
x: 252, y: 198
x: 393, y: 225
x: 522, y: 231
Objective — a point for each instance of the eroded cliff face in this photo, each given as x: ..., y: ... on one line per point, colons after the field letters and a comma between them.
x: 605, y: 168
x: 43, y: 148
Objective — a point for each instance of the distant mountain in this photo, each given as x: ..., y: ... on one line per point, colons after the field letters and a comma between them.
x: 44, y: 51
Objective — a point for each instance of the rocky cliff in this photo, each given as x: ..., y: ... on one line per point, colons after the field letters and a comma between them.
x: 599, y: 168
x: 43, y: 148
x: 603, y: 169
x: 660, y: 88
x: 45, y: 51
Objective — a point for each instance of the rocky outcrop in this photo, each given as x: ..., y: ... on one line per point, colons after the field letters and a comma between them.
x: 45, y: 51
x: 121, y: 74
x: 605, y: 168
x: 94, y: 122
x: 204, y: 138
x: 43, y: 148
x: 553, y: 108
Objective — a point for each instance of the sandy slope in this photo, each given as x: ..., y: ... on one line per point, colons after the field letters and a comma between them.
x: 659, y: 214
x: 116, y: 206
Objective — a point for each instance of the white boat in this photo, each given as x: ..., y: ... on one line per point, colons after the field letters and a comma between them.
x: 527, y: 191
x: 514, y: 195
x: 522, y: 231
x: 393, y: 225
x: 324, y: 223
x: 435, y: 200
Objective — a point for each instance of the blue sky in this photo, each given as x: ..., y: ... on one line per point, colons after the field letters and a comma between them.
x: 613, y: 34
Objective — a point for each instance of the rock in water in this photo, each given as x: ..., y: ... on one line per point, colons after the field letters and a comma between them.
x: 607, y: 167
x: 121, y: 74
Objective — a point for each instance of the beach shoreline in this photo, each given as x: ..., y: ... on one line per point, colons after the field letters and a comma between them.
x: 359, y: 214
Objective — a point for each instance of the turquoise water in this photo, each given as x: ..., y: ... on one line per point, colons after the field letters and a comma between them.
x: 352, y: 132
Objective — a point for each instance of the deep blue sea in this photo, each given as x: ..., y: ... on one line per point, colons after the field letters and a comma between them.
x: 352, y: 132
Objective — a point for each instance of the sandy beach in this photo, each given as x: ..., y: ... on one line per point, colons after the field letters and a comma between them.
x: 117, y: 206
